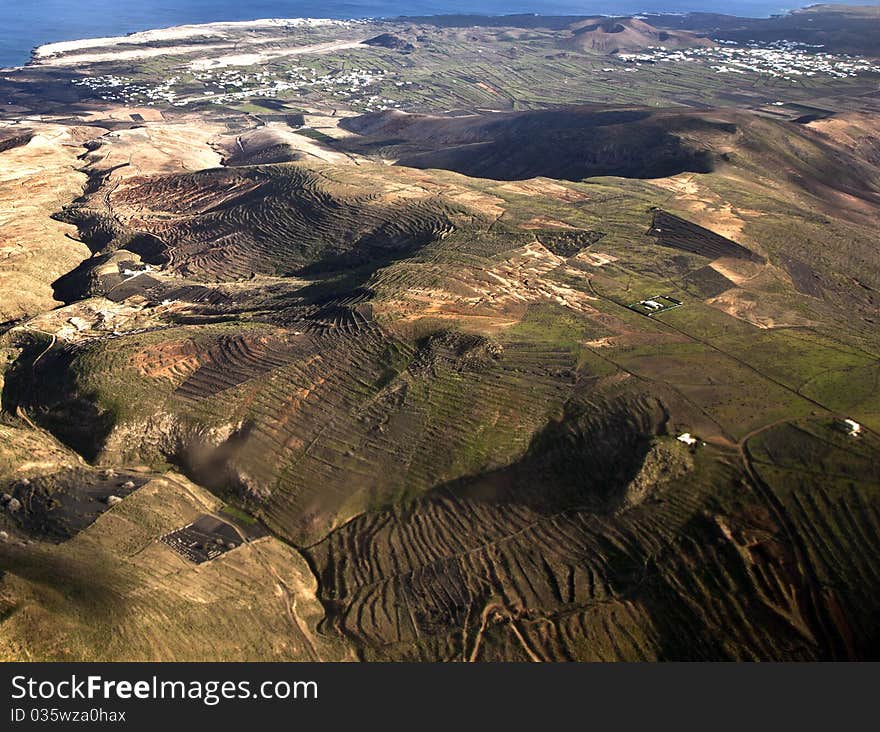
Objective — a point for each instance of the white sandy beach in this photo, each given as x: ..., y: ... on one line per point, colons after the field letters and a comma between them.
x: 45, y: 52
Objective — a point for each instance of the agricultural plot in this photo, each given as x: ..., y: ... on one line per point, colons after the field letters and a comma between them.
x: 204, y: 539
x: 678, y: 233
x: 568, y: 243
x: 707, y: 282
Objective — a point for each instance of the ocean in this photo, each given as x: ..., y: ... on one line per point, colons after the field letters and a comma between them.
x: 30, y: 23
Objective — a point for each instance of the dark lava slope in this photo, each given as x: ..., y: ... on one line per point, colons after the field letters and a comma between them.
x: 569, y: 144
x: 574, y: 143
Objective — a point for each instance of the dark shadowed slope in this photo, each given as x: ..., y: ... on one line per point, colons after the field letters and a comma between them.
x: 569, y: 144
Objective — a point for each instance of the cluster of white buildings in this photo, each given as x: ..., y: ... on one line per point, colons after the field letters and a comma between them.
x: 352, y: 87
x: 239, y: 83
x: 114, y: 88
x: 779, y: 59
x: 853, y: 428
x: 232, y: 84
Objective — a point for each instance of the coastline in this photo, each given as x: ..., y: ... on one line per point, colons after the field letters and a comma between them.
x: 217, y: 29
x: 50, y: 53
x: 178, y: 32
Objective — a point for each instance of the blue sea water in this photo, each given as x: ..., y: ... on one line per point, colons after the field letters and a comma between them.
x: 29, y: 23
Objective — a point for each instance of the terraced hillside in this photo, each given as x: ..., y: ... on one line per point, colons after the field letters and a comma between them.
x: 568, y: 383
x: 228, y: 225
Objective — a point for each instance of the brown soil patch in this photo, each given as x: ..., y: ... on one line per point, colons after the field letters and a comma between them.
x: 496, y: 297
x: 492, y: 90
x: 737, y: 271
x: 597, y: 259
x: 157, y: 150
x: 753, y: 309
x: 174, y: 360
x: 637, y: 338
x: 705, y: 207
x: 123, y: 114
x: 409, y: 183
x: 542, y: 222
